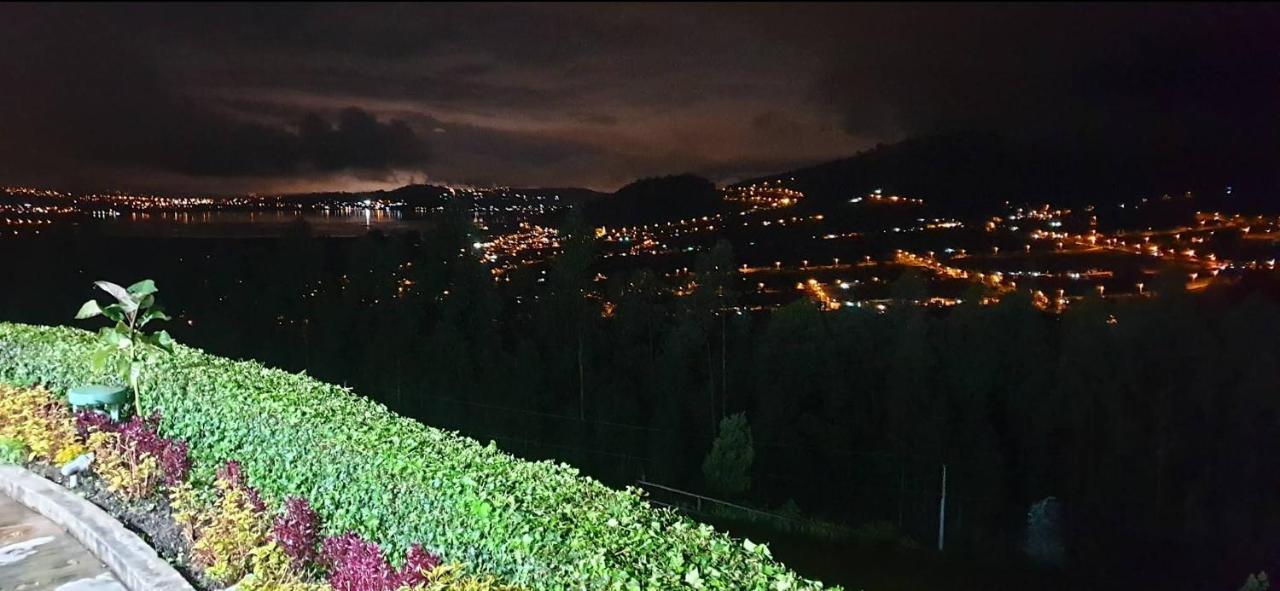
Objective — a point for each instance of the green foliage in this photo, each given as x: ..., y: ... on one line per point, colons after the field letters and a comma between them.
x: 127, y: 472
x: 273, y: 570
x: 226, y: 536
x: 451, y: 577
x: 42, y: 423
x: 539, y: 525
x: 1258, y: 582
x: 727, y: 467
x: 122, y: 345
x: 12, y: 451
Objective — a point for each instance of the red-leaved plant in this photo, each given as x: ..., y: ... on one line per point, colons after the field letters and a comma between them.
x: 140, y: 437
x: 233, y: 475
x: 356, y: 564
x: 297, y: 530
x: 417, y: 564
x: 92, y: 421
x: 174, y: 462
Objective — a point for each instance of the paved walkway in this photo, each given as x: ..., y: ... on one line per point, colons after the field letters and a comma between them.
x: 35, y: 554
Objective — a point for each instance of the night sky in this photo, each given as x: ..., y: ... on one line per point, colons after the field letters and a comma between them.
x: 216, y: 99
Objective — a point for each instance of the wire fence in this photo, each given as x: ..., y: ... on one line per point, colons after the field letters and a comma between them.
x: 878, y: 491
x: 703, y: 506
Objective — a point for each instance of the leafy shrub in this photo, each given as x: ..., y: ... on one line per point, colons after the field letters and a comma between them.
x: 297, y: 532
x: 127, y: 473
x: 141, y: 436
x: 727, y: 467
x: 356, y: 564
x: 396, y: 482
x: 89, y: 421
x: 68, y: 453
x: 226, y: 536
x: 39, y: 420
x: 1258, y: 582
x: 133, y: 458
x: 418, y: 564
x: 175, y: 462
x: 231, y: 475
x: 12, y: 450
x: 1043, y: 543
x: 188, y: 508
x: 274, y: 570
x: 450, y: 577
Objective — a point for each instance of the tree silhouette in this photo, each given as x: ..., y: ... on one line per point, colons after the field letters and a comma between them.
x: 727, y: 467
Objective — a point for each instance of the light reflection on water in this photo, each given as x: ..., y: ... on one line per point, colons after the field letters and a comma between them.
x: 256, y: 224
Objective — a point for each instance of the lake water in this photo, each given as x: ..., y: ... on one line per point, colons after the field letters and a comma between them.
x: 260, y: 224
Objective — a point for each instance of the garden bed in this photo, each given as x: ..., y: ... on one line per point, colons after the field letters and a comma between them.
x: 152, y: 520
x: 377, y: 478
x: 218, y: 534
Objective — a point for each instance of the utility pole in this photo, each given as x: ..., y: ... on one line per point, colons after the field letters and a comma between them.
x: 902, y: 489
x: 711, y: 386
x: 942, y: 509
x: 582, y: 388
x: 724, y: 373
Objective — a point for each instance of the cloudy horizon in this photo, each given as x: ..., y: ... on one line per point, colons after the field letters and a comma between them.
x: 221, y: 99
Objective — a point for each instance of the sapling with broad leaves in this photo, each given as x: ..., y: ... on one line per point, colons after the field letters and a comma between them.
x: 124, y: 345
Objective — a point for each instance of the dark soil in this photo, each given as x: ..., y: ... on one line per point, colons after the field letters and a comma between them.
x: 151, y: 519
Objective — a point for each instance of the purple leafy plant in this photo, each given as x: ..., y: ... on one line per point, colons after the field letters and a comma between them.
x: 356, y: 564
x: 175, y: 462
x: 297, y: 530
x: 92, y: 421
x: 418, y: 562
x: 140, y: 437
x: 232, y: 474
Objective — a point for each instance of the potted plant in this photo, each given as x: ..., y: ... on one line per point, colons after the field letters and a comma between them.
x: 123, y: 345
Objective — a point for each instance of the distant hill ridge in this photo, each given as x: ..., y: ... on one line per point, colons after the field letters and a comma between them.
x: 656, y: 199
x: 962, y: 172
x: 974, y: 171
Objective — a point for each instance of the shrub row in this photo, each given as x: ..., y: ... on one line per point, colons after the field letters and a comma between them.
x: 232, y: 536
x: 396, y: 482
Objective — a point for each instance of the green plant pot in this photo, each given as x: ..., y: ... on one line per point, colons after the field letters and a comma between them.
x: 113, y: 400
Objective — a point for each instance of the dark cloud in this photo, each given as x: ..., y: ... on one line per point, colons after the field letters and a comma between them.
x: 1177, y: 86
x: 597, y: 95
x: 359, y: 141
x: 205, y: 144
x: 598, y: 119
x: 82, y: 96
x: 775, y: 124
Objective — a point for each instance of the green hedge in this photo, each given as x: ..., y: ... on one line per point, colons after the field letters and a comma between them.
x: 391, y: 479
